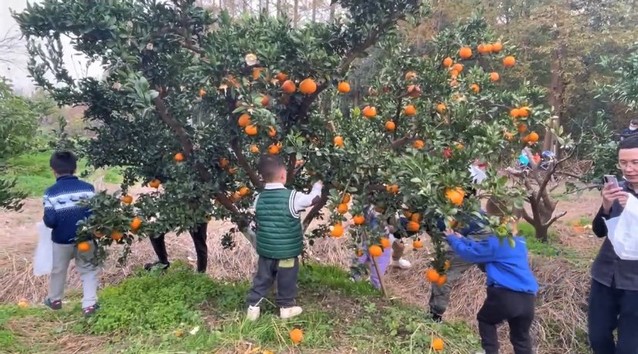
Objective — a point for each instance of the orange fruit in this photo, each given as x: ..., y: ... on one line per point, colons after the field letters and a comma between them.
x: 272, y: 132
x: 441, y: 107
x: 244, y: 120
x: 522, y: 128
x: 465, y: 53
x: 484, y: 48
x: 116, y: 235
x: 369, y: 112
x: 442, y: 280
x: 296, y: 335
x: 288, y: 87
x: 497, y: 47
x: 265, y: 100
x: 508, y: 136
x: 281, y: 76
x: 154, y: 183
x: 343, y: 87
x: 346, y: 198
x: 489, y: 48
x: 375, y: 250
x: 84, y: 246
x: 416, y: 244
x: 223, y: 162
x: 455, y: 195
x: 413, y: 226
x: 392, y: 188
x: 136, y: 223
x: 454, y: 74
x: 437, y: 344
x: 342, y: 208
x: 409, y: 110
x: 410, y: 75
x: 458, y: 67
x: 533, y: 137
x: 515, y: 113
x: 308, y: 86
x: 257, y: 73
x: 494, y: 76
x: 524, y: 111
x: 244, y: 191
x: 251, y: 130
x: 126, y: 199
x: 254, y: 149
x: 432, y: 275
x: 201, y: 92
x: 338, y: 141
x: 179, y: 157
x: 385, y: 242
x: 359, y: 219
x: 509, y: 61
x: 416, y: 217
x: 390, y: 126
x: 235, y: 197
x: 337, y: 230
x: 418, y: 144
x: 447, y: 62
x: 274, y: 149
x: 475, y: 87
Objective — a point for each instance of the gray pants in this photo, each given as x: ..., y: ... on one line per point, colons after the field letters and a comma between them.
x: 284, y: 272
x: 440, y: 295
x: 89, y: 273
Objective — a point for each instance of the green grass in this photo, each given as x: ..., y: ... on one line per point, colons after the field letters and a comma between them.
x: 547, y: 249
x: 156, y: 312
x: 34, y: 175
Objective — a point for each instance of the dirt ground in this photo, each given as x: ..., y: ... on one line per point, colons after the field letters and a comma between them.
x: 560, y: 280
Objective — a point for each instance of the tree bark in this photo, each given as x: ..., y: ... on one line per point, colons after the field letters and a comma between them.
x: 314, y: 11
x: 295, y: 14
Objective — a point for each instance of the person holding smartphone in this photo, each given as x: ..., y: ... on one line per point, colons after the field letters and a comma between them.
x: 613, y: 301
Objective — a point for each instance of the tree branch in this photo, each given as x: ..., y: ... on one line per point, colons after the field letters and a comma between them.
x: 241, y: 160
x: 370, y: 40
x: 555, y: 218
x: 292, y: 168
x: 316, y: 208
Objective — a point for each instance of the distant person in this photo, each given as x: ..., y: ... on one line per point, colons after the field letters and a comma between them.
x: 279, y: 238
x: 613, y: 301
x: 61, y: 214
x: 199, y: 235
x: 629, y: 131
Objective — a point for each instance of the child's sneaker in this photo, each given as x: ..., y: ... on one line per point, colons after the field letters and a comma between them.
x: 90, y: 310
x: 253, y: 313
x: 53, y: 305
x: 290, y: 312
x: 402, y: 263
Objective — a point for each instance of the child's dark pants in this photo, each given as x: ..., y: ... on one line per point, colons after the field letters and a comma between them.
x: 505, y: 305
x: 610, y: 309
x: 270, y: 270
x: 199, y: 236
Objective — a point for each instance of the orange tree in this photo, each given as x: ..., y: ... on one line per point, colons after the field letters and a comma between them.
x: 189, y: 100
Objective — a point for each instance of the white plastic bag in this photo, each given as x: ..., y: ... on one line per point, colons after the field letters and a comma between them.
x: 43, y: 258
x: 622, y: 231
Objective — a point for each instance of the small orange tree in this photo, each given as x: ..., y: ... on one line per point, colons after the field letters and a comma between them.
x: 189, y: 100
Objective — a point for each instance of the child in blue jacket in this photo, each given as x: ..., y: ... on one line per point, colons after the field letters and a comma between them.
x: 511, y: 288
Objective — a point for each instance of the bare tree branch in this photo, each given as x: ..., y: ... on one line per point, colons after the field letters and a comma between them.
x: 555, y: 218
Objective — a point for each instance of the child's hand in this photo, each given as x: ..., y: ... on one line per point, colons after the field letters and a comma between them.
x: 450, y: 232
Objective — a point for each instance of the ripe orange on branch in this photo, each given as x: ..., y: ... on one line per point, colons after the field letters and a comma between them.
x: 136, y: 223
x: 338, y: 141
x: 251, y: 130
x: 455, y: 196
x: 432, y: 275
x: 342, y: 208
x: 441, y: 108
x: 359, y: 219
x: 448, y: 62
x: 418, y: 144
x: 458, y: 67
x: 375, y: 251
x: 417, y: 244
x: 84, y: 246
x: 343, y: 87
x: 390, y: 126
x: 337, y: 230
x: 465, y: 53
x: 533, y: 137
x: 497, y: 47
x: 385, y: 242
x: 475, y: 88
x: 409, y: 110
x: 369, y: 112
x: 179, y: 157
x: 154, y: 183
x: 308, y: 86
x: 244, y: 120
x: 127, y: 199
x: 272, y: 132
x: 288, y: 87
x: 494, y: 76
x: 413, y: 226
x: 509, y: 61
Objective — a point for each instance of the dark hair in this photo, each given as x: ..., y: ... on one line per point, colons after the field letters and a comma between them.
x: 269, y: 166
x: 630, y: 142
x: 63, y: 162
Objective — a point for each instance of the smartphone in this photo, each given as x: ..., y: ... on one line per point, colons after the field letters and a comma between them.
x: 611, y: 179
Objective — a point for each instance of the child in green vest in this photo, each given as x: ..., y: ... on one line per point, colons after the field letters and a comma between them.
x: 279, y: 238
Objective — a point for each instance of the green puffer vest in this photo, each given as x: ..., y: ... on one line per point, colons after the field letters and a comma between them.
x: 279, y: 233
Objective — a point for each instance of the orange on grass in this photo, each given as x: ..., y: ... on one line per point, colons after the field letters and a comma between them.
x: 337, y: 230
x: 288, y: 87
x: 343, y: 87
x: 375, y: 250
x: 441, y: 107
x: 84, y: 246
x: 409, y: 110
x: 244, y: 191
x: 136, y: 223
x: 475, y: 88
x: 369, y: 112
x: 522, y: 128
x: 418, y: 144
x: 447, y: 62
x: 338, y: 141
x: 390, y: 126
x: 385, y: 242
x: 296, y: 335
x: 432, y: 275
x: 509, y: 61
x: 308, y: 86
x: 533, y: 137
x: 455, y: 195
x: 251, y: 130
x: 254, y: 149
x: 127, y: 199
x: 413, y: 226
x: 416, y: 244
x: 465, y: 53
x: 458, y: 67
x: 179, y: 157
x: 272, y: 132
x: 342, y: 208
x: 494, y: 76
x: 274, y: 149
x: 497, y: 47
x: 244, y: 120
x: 359, y: 219
x: 437, y: 344
x: 154, y: 183
x: 116, y: 235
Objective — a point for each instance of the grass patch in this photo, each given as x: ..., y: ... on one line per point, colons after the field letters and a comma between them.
x: 546, y: 249
x: 34, y: 175
x: 182, y: 311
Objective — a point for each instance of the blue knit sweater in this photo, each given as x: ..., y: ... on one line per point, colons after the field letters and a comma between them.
x: 61, y: 209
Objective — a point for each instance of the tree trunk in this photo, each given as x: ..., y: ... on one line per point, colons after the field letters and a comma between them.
x: 542, y: 233
x: 295, y: 14
x: 557, y: 91
x: 333, y: 8
x: 278, y: 9
x: 314, y: 11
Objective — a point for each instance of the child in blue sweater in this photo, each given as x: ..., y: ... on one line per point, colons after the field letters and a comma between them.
x: 511, y: 288
x: 62, y: 212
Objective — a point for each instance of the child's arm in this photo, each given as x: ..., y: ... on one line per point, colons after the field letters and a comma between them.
x: 50, y: 217
x: 472, y: 251
x: 303, y: 200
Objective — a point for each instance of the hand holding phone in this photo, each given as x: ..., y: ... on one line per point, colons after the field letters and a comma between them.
x: 611, y: 179
x: 612, y: 192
